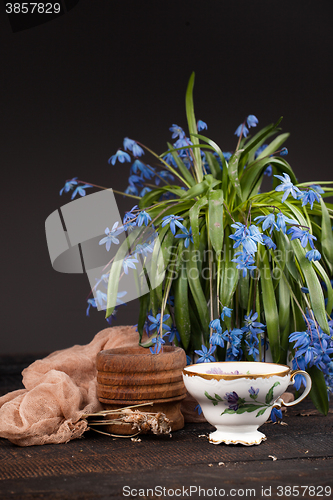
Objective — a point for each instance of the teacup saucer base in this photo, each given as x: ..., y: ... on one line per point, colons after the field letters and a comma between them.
x: 245, y: 438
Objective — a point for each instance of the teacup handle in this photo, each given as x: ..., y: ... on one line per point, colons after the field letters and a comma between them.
x: 279, y: 402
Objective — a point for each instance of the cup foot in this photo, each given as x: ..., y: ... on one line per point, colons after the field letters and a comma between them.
x: 230, y: 437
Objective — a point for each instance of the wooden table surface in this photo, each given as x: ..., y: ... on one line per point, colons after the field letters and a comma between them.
x: 296, y: 460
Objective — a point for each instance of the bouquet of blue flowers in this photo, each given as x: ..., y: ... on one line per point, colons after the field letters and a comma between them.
x: 245, y: 274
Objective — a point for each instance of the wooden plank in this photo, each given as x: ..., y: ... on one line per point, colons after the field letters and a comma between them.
x: 258, y: 477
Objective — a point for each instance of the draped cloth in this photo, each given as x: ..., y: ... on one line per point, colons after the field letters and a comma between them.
x: 59, y: 389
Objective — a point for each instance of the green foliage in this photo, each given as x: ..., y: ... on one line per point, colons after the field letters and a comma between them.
x: 204, y: 277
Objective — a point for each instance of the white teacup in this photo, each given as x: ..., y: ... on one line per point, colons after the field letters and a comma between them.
x: 237, y: 397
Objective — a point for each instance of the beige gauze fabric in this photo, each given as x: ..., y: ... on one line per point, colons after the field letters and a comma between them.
x: 59, y: 389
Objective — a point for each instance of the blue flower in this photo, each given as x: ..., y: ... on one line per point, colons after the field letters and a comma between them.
x: 217, y: 339
x: 198, y: 407
x: 260, y: 150
x: 177, y: 132
x: 248, y: 237
x: 252, y: 348
x: 111, y: 236
x: 91, y: 303
x: 100, y: 298
x: 168, y: 158
x: 251, y: 325
x: 135, y: 180
x: 268, y: 242
x: 156, y: 322
x: 304, y: 236
x: 268, y: 221
x: 252, y: 121
x: 268, y: 171
x: 129, y: 262
x: 276, y: 413
x: 165, y: 175
x: 131, y: 190
x: 120, y: 295
x: 282, y: 220
x: 68, y: 185
x: 226, y: 155
x: 201, y: 125
x: 144, y: 249
x: 317, y: 188
x: 144, y: 191
x: 173, y: 220
x: 183, y: 142
x: 242, y: 130
x: 226, y: 311
x: 187, y: 235
x: 253, y: 392
x: 174, y: 334
x: 244, y: 262
x: 158, y: 341
x: 143, y: 218
x: 313, y: 255
x: 233, y: 400
x: 310, y: 197
x: 287, y: 186
x: 146, y: 170
x: 284, y: 152
x: 80, y: 190
x: 130, y: 214
x: 216, y: 325
x: 120, y: 156
x: 206, y: 356
x: 133, y: 147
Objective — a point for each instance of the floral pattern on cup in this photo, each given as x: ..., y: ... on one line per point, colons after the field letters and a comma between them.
x: 239, y: 405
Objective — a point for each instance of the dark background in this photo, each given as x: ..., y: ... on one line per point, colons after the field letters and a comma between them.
x: 74, y: 87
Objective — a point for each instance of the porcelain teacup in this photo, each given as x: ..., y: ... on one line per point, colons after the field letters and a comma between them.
x: 237, y: 397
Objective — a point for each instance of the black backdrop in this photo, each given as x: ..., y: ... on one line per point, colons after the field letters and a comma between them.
x: 74, y: 87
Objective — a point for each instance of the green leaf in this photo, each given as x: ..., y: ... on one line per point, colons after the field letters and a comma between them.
x: 326, y: 235
x: 182, y: 167
x: 213, y: 164
x: 115, y: 271
x: 270, y: 395
x: 181, y: 309
x: 284, y: 304
x: 247, y: 408
x: 192, y: 127
x: 260, y: 137
x: 318, y: 392
x: 194, y: 219
x: 193, y: 277
x: 233, y: 171
x: 150, y: 197
x: 197, y: 190
x: 160, y: 262
x: 313, y: 284
x: 254, y: 170
x: 229, y: 271
x: 196, y: 329
x: 244, y: 288
x: 228, y: 411
x: 215, y: 211
x: 320, y: 270
x: 144, y: 302
x: 270, y: 306
x: 213, y: 400
x: 274, y: 145
x: 261, y: 412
